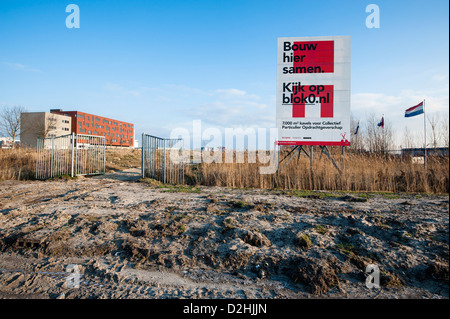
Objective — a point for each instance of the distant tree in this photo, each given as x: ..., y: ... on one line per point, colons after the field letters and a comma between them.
x: 433, y: 135
x: 10, y: 121
x: 443, y: 130
x: 357, y: 140
x: 408, y: 139
x: 43, y: 129
x: 379, y: 139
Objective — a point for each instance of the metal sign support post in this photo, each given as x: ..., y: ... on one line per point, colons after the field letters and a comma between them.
x: 311, y: 164
x: 299, y: 148
x: 425, y: 136
x: 327, y: 153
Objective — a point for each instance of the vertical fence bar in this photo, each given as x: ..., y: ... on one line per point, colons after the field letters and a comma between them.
x: 57, y: 157
x: 37, y: 158
x: 164, y: 162
x: 52, y: 160
x: 76, y: 154
x: 169, y: 166
x: 143, y: 156
x: 72, y: 155
x: 182, y: 158
x: 158, y: 167
x: 103, y: 155
x: 151, y: 155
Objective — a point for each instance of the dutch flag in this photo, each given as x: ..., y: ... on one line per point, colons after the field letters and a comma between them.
x: 415, y: 110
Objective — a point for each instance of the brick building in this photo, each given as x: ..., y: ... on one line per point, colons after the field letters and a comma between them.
x: 116, y: 133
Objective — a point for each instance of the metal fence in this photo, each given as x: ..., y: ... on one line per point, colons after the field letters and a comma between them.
x: 73, y: 155
x: 162, y: 159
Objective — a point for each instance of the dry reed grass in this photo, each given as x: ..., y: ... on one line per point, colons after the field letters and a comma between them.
x: 17, y: 164
x: 122, y: 158
x: 362, y: 172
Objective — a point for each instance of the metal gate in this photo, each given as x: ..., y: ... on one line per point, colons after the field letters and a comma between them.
x: 162, y: 159
x: 73, y: 155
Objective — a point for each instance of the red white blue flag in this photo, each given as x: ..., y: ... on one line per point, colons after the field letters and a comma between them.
x: 415, y: 110
x: 381, y: 123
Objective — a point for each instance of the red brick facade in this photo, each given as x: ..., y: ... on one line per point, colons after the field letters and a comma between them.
x: 116, y: 133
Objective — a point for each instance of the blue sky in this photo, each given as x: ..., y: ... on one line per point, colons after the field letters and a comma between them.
x: 163, y: 64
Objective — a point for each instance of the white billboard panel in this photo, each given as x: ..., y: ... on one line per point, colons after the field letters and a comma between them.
x: 313, y: 91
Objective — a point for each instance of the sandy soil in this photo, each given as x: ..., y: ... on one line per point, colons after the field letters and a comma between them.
x: 134, y: 239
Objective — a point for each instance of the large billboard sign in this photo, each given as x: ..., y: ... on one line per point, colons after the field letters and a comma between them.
x: 313, y: 91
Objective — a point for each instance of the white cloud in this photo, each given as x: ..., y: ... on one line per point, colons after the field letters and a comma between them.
x: 235, y: 93
x: 21, y: 67
x: 230, y: 108
x: 178, y: 104
x: 436, y: 100
x: 232, y: 92
x: 113, y: 87
x: 440, y: 77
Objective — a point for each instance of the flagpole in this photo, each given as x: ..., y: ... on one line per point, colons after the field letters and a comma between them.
x: 425, y: 140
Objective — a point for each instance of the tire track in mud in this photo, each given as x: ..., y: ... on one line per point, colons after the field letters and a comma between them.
x: 140, y: 283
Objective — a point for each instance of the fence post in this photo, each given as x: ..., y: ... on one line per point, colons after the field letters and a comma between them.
x: 52, y: 160
x: 164, y: 163
x: 37, y: 158
x: 72, y: 155
x: 86, y: 147
x: 143, y: 157
x: 104, y: 155
x: 182, y: 159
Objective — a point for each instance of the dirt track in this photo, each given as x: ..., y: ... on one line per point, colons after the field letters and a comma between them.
x: 134, y: 240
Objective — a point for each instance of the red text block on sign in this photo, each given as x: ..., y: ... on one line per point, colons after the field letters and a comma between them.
x: 314, y: 55
x: 309, y: 96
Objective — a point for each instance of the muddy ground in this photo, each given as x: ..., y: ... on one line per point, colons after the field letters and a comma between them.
x: 131, y: 238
